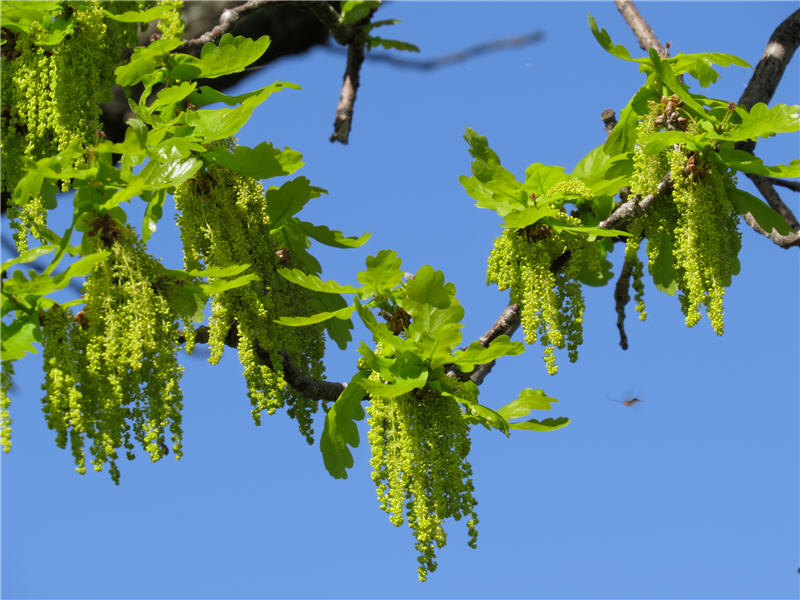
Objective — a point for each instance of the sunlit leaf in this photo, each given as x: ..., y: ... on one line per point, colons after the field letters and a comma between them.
x: 767, y: 218
x: 16, y: 338
x: 314, y: 283
x: 332, y: 237
x: 340, y: 429
x: 352, y: 11
x: 528, y: 400
x: 232, y: 55
x: 262, y: 162
x: 343, y: 314
x: 382, y: 274
x: 549, y: 424
x: 217, y: 286
x: 373, y: 42
x: 476, y: 354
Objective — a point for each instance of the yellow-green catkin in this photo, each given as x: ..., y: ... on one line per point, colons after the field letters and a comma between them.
x: 111, y: 371
x: 171, y: 25
x: 51, y: 95
x: 692, y: 232
x: 223, y: 221
x: 6, y: 376
x: 551, y: 303
x: 420, y: 445
x: 707, y: 238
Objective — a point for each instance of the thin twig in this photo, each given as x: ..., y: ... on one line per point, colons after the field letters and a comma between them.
x: 344, y: 109
x: 454, y: 57
x: 792, y: 185
x: 621, y: 299
x: 644, y: 34
x: 227, y: 20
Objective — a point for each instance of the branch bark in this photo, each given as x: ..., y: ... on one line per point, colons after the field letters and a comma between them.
x: 780, y: 48
x: 227, y: 21
x: 644, y: 34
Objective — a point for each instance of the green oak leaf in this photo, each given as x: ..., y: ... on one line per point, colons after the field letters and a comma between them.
x: 232, y: 55
x: 491, y: 185
x: 767, y: 218
x: 742, y: 160
x: 374, y: 42
x: 314, y: 283
x: 16, y: 338
x: 528, y: 400
x: 429, y: 288
x: 352, y: 11
x: 528, y: 216
x: 539, y: 178
x: 330, y: 237
x: 262, y: 162
x: 477, y: 354
x: 340, y: 429
x: 382, y: 274
x: 549, y: 424
x: 343, y: 313
x: 764, y: 122
x: 217, y: 286
x: 338, y: 328
x: 139, y: 16
x: 221, y: 123
x: 289, y: 199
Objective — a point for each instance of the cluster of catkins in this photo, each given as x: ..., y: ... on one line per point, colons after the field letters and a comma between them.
x: 51, y: 95
x: 692, y: 232
x: 111, y: 372
x: 420, y: 445
x: 540, y: 267
x: 223, y: 221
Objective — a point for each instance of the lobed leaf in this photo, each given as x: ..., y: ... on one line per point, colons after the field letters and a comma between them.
x: 343, y: 314
x: 16, y: 338
x: 139, y: 16
x: 528, y: 400
x: 382, y: 274
x: 262, y: 162
x: 314, y: 283
x: 289, y: 199
x: 340, y: 429
x: 767, y: 218
x: 338, y: 328
x: 742, y: 160
x: 352, y: 11
x: 232, y: 55
x: 221, y: 123
x: 476, y: 354
x: 764, y: 122
x: 549, y: 424
x: 331, y: 237
x: 373, y: 42
x: 491, y: 185
x: 28, y: 256
x: 528, y: 216
x: 221, y: 285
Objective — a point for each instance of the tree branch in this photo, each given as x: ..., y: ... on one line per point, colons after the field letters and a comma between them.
x: 454, y: 57
x: 768, y: 72
x: 644, y: 34
x: 621, y: 299
x: 344, y: 109
x: 227, y: 20
x: 780, y: 48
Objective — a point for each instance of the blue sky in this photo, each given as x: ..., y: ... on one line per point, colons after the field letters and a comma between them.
x: 693, y: 493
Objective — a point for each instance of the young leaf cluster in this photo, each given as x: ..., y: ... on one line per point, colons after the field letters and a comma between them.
x: 235, y: 234
x: 543, y: 254
x: 422, y: 401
